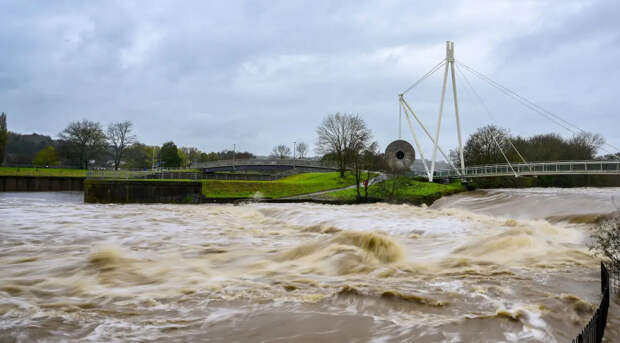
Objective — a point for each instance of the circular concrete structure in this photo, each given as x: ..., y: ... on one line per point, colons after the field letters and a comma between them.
x: 399, y: 155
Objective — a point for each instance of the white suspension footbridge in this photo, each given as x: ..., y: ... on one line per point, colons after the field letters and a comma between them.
x: 522, y: 168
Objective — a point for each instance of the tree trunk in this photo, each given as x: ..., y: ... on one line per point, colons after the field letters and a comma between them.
x: 358, y: 176
x: 366, y: 187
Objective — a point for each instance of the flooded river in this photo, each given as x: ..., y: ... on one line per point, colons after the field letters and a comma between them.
x: 498, y: 266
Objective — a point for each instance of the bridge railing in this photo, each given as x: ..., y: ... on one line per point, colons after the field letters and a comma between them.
x: 257, y: 162
x: 535, y: 168
x: 595, y: 330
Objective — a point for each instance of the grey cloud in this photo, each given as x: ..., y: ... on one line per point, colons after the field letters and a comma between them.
x: 212, y: 74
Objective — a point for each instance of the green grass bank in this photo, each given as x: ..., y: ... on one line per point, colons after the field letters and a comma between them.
x: 43, y: 172
x: 397, y: 190
x: 401, y: 190
x: 287, y: 187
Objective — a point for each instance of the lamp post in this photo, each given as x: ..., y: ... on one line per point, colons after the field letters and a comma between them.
x: 233, y: 161
x: 294, y: 153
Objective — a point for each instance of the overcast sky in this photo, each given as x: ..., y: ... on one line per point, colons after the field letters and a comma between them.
x: 259, y: 73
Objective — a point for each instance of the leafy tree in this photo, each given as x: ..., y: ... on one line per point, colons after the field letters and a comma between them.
x: 204, y: 157
x: 281, y: 151
x: 192, y: 155
x: 169, y: 155
x: 4, y: 136
x: 302, y: 149
x: 184, y: 159
x: 119, y: 137
x: 46, y: 157
x: 342, y: 136
x: 84, y: 139
x: 141, y: 156
x: 228, y: 155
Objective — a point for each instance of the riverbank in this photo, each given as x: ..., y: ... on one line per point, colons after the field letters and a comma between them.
x: 293, y: 189
x: 559, y: 181
x: 207, y: 191
x: 40, y: 183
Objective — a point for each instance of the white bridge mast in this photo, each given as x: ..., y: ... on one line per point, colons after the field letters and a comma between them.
x: 404, y: 106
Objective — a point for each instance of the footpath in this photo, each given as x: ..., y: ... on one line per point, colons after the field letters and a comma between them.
x: 379, y: 178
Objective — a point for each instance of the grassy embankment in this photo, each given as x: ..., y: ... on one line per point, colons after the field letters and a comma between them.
x: 44, y: 172
x: 403, y: 189
x: 286, y: 187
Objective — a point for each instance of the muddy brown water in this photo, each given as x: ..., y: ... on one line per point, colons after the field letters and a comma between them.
x: 497, y: 266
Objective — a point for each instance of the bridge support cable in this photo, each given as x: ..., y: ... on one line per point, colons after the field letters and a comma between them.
x: 448, y: 64
x: 415, y: 139
x: 425, y: 76
x: 574, y: 129
x: 486, y: 108
x: 415, y: 116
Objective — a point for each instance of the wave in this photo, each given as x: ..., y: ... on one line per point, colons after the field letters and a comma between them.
x: 345, y: 253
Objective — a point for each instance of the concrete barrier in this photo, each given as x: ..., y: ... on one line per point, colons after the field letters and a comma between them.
x: 137, y: 191
x: 40, y: 183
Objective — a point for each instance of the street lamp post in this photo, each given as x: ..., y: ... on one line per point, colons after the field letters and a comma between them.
x: 294, y: 153
x: 233, y: 161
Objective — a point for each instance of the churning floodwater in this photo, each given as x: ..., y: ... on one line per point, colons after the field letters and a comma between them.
x: 498, y: 266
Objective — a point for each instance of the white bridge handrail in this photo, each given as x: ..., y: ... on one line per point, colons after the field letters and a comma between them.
x: 260, y: 162
x: 594, y: 167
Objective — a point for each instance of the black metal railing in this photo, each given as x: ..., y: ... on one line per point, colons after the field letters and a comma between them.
x: 614, y: 279
x: 595, y: 330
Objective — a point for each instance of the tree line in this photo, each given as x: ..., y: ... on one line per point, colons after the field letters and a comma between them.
x: 492, y: 144
x: 85, y: 144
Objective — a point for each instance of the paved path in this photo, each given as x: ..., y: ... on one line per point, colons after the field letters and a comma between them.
x: 378, y: 178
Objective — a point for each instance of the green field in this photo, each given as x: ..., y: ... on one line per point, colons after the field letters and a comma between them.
x: 13, y: 171
x: 406, y: 190
x: 289, y: 186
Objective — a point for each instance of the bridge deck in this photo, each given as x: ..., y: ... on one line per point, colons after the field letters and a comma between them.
x: 263, y: 164
x: 534, y: 168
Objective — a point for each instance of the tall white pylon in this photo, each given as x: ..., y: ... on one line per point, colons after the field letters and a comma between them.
x: 404, y: 106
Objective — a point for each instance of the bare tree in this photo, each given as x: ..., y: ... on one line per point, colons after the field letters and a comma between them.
x: 302, y: 148
x: 343, y: 136
x: 486, y: 146
x: 119, y: 137
x: 281, y: 151
x: 85, y: 137
x: 4, y: 136
x: 606, y: 240
x: 585, y: 145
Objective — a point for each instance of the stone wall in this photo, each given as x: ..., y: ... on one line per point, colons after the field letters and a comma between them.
x: 137, y: 191
x: 40, y: 184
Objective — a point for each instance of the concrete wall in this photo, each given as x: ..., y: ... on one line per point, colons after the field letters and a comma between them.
x: 201, y: 176
x: 136, y: 191
x: 40, y: 184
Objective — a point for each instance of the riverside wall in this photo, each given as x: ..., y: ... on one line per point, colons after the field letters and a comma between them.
x: 136, y: 191
x: 40, y: 183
